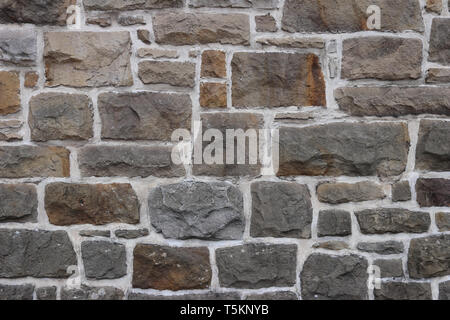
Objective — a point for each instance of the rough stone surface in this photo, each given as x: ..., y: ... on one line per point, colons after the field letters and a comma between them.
x: 393, y: 101
x: 71, y: 203
x: 401, y: 191
x: 438, y: 75
x: 127, y: 161
x: 277, y: 80
x: 443, y: 221
x: 171, y: 268
x: 433, y: 192
x: 433, y: 149
x: 100, y: 20
x: 256, y: 266
x: 157, y: 53
x: 201, y: 28
x: 131, y: 234
x: 210, y: 296
x: 335, y: 223
x: 213, y: 95
x: 336, y: 193
x: 18, y: 203
x: 10, y: 92
x: 18, y: 47
x: 177, y: 74
x: 392, y: 220
x: 46, y: 293
x: 143, y: 115
x: 331, y: 245
x: 327, y: 277
x: 383, y: 58
x: 444, y: 290
x: 292, y: 42
x: 403, y: 291
x: 95, y: 233
x: 258, y: 4
x: 282, y: 295
x: 60, y: 116
x: 39, y: 12
x: 11, y: 130
x: 266, y: 23
x: 131, y: 20
x: 39, y: 254
x: 434, y: 6
x: 16, y: 292
x: 31, y: 79
x: 144, y: 36
x: 110, y: 5
x: 383, y: 248
x: 330, y: 16
x: 209, y: 211
x: 353, y: 149
x: 440, y: 41
x: 429, y: 257
x: 87, y: 59
x: 31, y: 161
x: 213, y: 64
x: 91, y: 293
x: 281, y: 210
x: 104, y: 260
x: 390, y: 268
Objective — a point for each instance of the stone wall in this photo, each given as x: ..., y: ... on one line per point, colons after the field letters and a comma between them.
x: 93, y: 207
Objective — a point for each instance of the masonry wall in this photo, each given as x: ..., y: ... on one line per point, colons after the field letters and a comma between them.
x: 93, y: 207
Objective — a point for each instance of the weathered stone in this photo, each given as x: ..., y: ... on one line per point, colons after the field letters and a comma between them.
x: 143, y: 115
x: 256, y: 266
x: 61, y: 116
x: 443, y: 221
x: 223, y: 122
x: 132, y: 234
x: 95, y: 233
x: 201, y: 28
x: 258, y: 4
x: 433, y: 149
x: 91, y: 293
x: 170, y: 268
x: 130, y: 20
x: 383, y: 248
x: 401, y: 191
x: 177, y: 74
x: 444, y: 290
x: 110, y: 5
x: 266, y: 23
x: 350, y: 15
x: 336, y: 223
x: 336, y: 193
x: 104, y: 260
x: 16, y: 292
x: 11, y: 130
x: 157, y: 53
x: 213, y: 95
x: 352, y: 149
x: 39, y: 254
x: 100, y: 20
x: 46, y: 293
x: 210, y: 296
x: 433, y: 192
x: 144, y: 36
x: 39, y: 12
x: 327, y: 277
x: 281, y: 295
x: 30, y: 161
x: 128, y: 161
x: 383, y: 58
x: 280, y: 209
x: 429, y: 257
x: 403, y: 291
x: 87, y: 59
x: 392, y: 220
x: 292, y: 42
x: 331, y: 245
x: 439, y: 51
x: 31, y: 79
x: 277, y: 80
x: 393, y: 101
x: 18, y: 47
x: 10, y: 92
x: 18, y: 203
x: 434, y: 6
x: 438, y: 75
x: 390, y: 268
x: 98, y: 204
x: 213, y: 64
x: 294, y: 116
x: 210, y: 211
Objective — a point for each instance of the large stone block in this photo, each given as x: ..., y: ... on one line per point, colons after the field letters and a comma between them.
x: 104, y: 259
x: 177, y: 74
x: 433, y: 192
x: 336, y: 193
x: 18, y: 47
x: 433, y: 147
x: 440, y: 41
x: 403, y: 291
x: 18, y: 203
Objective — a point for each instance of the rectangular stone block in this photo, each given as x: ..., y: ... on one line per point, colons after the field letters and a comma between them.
x: 9, y: 92
x: 351, y: 149
x: 16, y: 292
x: 18, y: 203
x: 258, y: 4
x: 440, y: 41
x: 277, y: 80
x: 336, y: 193
x: 433, y: 192
x: 403, y: 291
x: 18, y: 46
x: 433, y: 147
x: 11, y: 130
x: 177, y: 74
x: 438, y: 75
x: 429, y: 257
x: 110, y: 5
